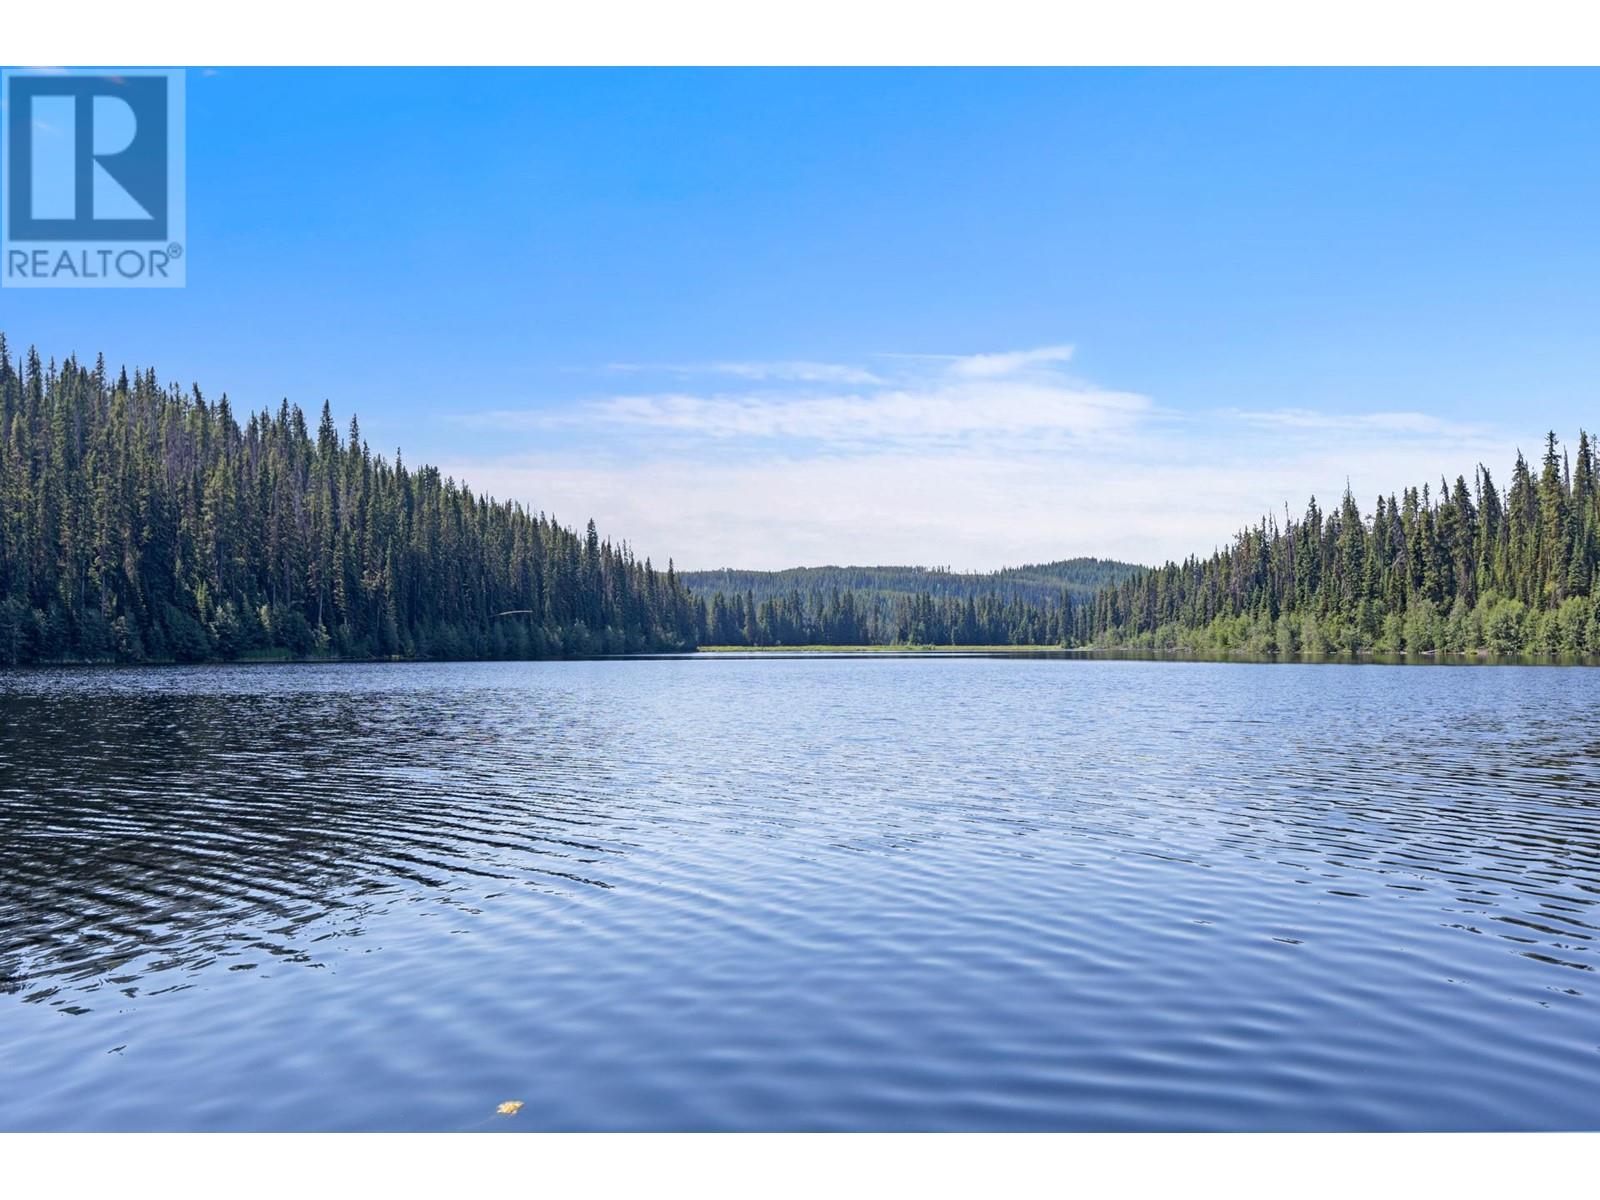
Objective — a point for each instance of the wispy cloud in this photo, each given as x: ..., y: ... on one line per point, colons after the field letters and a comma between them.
x: 922, y: 400
x: 976, y: 460
x: 1375, y: 422
x: 898, y: 416
x: 1016, y: 362
x: 791, y: 371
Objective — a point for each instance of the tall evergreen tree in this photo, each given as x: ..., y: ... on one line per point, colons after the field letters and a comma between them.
x: 139, y: 522
x: 1458, y: 569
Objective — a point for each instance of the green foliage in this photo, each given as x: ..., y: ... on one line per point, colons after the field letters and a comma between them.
x: 1040, y: 583
x: 1419, y: 627
x: 142, y: 523
x: 834, y: 618
x: 910, y: 606
x: 1459, y: 571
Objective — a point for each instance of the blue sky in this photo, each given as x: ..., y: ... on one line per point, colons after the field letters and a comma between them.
x: 969, y: 318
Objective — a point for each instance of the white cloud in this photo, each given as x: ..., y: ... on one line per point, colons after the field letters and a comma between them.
x: 795, y: 371
x: 1172, y: 497
x: 1377, y: 422
x: 900, y: 416
x: 976, y: 461
x: 925, y: 399
x: 988, y: 366
x: 800, y: 372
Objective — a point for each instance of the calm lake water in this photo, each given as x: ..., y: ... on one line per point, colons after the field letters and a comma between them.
x: 795, y: 893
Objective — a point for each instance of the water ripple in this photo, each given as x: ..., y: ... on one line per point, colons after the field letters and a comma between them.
x: 800, y: 894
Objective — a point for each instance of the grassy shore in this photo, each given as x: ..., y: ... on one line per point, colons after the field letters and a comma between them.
x: 903, y: 648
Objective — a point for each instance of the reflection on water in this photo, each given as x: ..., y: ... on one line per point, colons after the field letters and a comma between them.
x: 781, y: 893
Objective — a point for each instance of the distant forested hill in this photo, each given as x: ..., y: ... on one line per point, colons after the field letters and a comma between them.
x: 139, y: 522
x: 1035, y: 584
x: 849, y: 606
x: 1464, y: 568
x: 1079, y: 576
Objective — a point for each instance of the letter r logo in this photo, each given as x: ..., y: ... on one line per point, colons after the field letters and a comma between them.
x: 87, y: 158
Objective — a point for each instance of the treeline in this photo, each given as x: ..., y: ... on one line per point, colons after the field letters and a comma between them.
x: 849, y: 618
x: 1040, y: 583
x: 140, y: 523
x: 1466, y: 569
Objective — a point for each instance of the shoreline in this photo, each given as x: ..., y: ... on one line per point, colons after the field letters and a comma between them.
x: 892, y: 648
x: 1106, y: 653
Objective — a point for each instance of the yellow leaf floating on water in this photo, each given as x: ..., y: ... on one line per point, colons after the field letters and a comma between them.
x: 510, y: 1107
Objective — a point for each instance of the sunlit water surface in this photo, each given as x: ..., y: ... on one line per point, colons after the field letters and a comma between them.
x: 797, y: 893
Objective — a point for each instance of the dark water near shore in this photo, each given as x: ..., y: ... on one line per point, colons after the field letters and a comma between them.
x: 789, y: 893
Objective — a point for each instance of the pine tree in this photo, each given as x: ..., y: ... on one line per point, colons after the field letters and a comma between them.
x: 141, y: 522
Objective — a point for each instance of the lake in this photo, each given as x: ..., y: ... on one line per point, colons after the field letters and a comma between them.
x: 792, y: 893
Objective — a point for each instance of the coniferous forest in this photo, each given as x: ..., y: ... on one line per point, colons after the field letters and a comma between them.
x: 1464, y: 569
x: 143, y: 523
x: 830, y: 617
x: 1038, y: 583
x: 855, y: 606
x: 1467, y: 568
